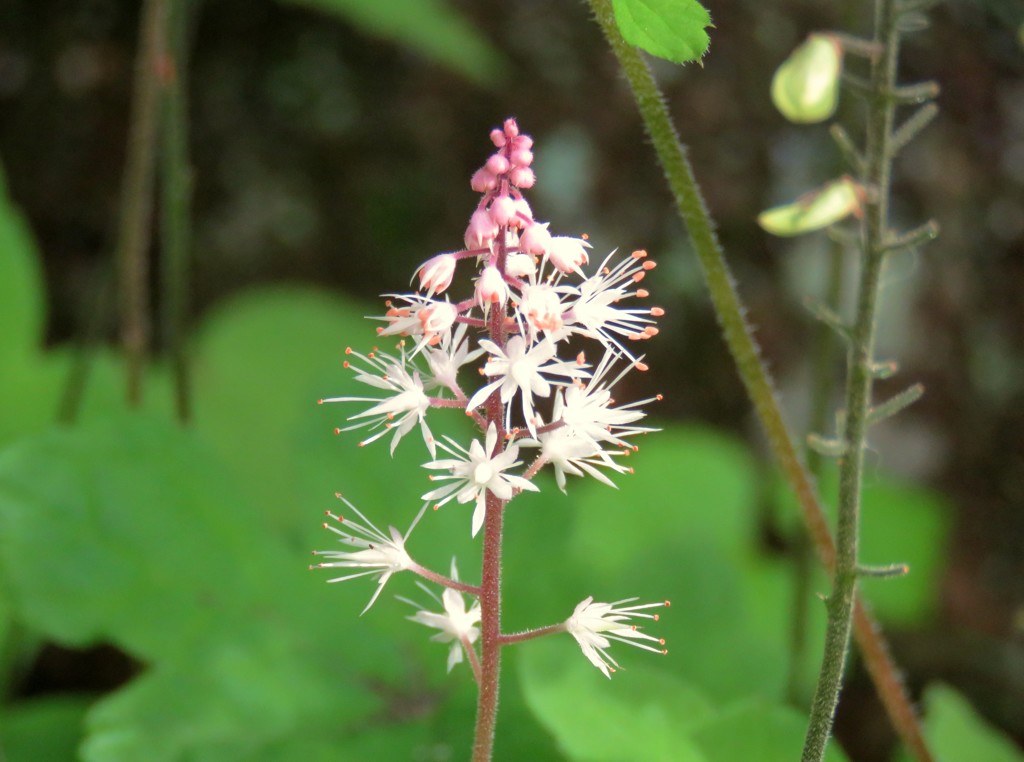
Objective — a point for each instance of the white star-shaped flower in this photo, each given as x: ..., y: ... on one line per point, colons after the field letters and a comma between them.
x: 474, y: 472
x: 520, y: 368
x: 595, y: 625
x: 379, y: 554
x: 401, y: 410
x: 595, y: 311
x: 458, y: 625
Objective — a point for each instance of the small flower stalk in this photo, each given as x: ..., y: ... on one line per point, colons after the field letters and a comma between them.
x: 494, y: 331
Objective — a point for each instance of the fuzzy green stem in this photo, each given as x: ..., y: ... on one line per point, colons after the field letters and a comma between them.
x: 137, y: 198
x: 176, y: 189
x: 672, y: 157
x: 878, y: 163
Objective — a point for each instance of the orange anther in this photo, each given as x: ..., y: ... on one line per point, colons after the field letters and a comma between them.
x: 659, y: 397
x: 639, y: 254
x: 657, y: 311
x: 637, y: 277
x: 641, y: 366
x: 650, y: 264
x: 581, y: 359
x: 348, y: 350
x: 643, y: 293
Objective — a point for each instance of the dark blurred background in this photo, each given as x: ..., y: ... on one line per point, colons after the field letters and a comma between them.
x: 326, y: 154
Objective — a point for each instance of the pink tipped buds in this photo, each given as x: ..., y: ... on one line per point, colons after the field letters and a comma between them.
x: 436, y: 273
x: 536, y: 239
x: 481, y: 231
x: 491, y: 288
x: 567, y: 254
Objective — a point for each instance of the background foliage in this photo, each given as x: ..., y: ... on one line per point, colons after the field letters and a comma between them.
x: 154, y: 601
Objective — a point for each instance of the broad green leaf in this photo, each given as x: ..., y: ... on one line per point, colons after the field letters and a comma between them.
x: 158, y: 555
x: 670, y: 29
x: 757, y: 730
x: 900, y: 523
x: 815, y: 210
x: 430, y: 27
x: 42, y: 730
x: 21, y: 286
x: 688, y: 482
x: 805, y: 87
x: 641, y: 713
x: 958, y: 734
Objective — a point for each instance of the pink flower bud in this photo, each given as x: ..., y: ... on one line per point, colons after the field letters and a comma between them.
x: 491, y: 288
x: 436, y: 273
x: 536, y: 239
x: 503, y: 210
x: 520, y: 266
x: 437, y: 318
x: 483, y: 181
x: 522, y: 157
x: 481, y: 230
x: 524, y: 215
x: 522, y: 177
x: 511, y: 128
x: 497, y: 164
x: 567, y: 254
x: 498, y: 138
x: 524, y: 142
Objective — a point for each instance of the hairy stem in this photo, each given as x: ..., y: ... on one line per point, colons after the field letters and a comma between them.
x: 490, y: 632
x: 729, y: 310
x: 878, y: 163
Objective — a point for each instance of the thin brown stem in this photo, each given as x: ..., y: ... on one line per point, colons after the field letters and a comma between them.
x: 137, y: 197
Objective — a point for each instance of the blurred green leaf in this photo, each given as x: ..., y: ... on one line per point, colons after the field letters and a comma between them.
x: 430, y: 27
x: 757, y: 730
x: 21, y: 286
x: 42, y: 730
x: 641, y: 714
x: 901, y: 523
x: 670, y: 29
x: 958, y: 734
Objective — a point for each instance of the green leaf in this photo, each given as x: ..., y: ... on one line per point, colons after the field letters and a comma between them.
x: 958, y: 734
x: 641, y: 713
x: 21, y: 286
x: 670, y: 29
x: 757, y: 730
x: 902, y: 523
x: 42, y: 730
x: 430, y: 27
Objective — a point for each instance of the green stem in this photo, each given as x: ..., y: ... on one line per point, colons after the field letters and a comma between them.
x: 874, y: 228
x: 672, y: 157
x: 137, y: 198
x: 175, y: 193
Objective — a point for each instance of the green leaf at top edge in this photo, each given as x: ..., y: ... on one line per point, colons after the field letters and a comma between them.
x: 430, y: 27
x: 669, y: 29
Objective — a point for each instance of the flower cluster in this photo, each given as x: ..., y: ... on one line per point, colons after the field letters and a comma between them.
x: 528, y: 305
